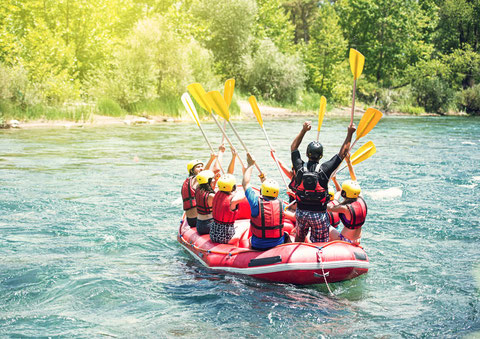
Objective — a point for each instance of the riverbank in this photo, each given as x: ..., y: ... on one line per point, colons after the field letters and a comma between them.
x: 246, y: 113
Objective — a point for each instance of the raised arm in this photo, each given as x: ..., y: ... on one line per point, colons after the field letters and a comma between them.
x: 210, y: 161
x: 337, y: 185
x: 307, y: 126
x: 346, y: 144
x: 217, y: 164
x: 248, y: 172
x: 285, y: 170
x: 231, y: 166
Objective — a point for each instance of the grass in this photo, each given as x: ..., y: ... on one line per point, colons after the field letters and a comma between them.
x: 71, y: 111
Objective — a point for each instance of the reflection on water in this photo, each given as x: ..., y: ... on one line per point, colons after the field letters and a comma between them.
x: 88, y: 221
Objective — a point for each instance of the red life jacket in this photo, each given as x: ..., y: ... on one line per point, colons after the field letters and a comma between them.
x: 358, y: 210
x: 221, y: 208
x: 308, y: 192
x: 188, y: 194
x: 201, y: 197
x: 333, y: 216
x: 269, y: 221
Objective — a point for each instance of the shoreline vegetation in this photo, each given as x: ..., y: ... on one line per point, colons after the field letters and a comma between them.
x: 245, y: 113
x: 80, y: 60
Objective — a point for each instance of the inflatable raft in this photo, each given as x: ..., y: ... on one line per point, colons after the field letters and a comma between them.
x: 295, y: 263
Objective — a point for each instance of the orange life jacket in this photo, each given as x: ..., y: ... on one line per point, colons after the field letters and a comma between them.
x: 188, y: 194
x: 201, y: 197
x: 333, y: 216
x: 221, y: 208
x: 269, y: 221
x: 358, y: 210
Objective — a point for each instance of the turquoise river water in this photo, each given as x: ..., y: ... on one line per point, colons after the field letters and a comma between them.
x: 88, y: 223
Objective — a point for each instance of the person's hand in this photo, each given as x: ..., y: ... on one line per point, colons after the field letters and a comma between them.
x: 212, y: 156
x: 351, y: 129
x: 307, y: 126
x: 218, y: 175
x: 262, y: 177
x: 250, y: 160
x: 221, y: 148
x: 233, y: 150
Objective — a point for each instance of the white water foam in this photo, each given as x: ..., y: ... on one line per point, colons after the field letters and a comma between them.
x: 476, y: 178
x: 468, y: 143
x: 387, y: 194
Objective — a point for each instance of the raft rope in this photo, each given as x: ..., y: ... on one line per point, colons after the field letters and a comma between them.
x: 319, y: 255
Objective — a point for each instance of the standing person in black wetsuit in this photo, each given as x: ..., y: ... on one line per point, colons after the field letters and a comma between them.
x: 311, y: 182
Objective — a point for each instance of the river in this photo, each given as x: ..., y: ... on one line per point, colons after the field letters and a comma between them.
x: 88, y: 222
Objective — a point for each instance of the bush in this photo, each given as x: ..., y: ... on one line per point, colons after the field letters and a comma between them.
x: 470, y: 100
x: 432, y: 93
x: 270, y: 74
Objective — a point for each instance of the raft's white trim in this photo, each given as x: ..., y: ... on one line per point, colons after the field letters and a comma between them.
x: 313, y: 266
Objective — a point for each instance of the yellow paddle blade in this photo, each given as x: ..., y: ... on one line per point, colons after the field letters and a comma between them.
x: 321, y: 112
x: 255, y: 109
x: 357, y: 60
x: 217, y: 102
x: 369, y: 120
x: 228, y: 91
x: 200, y: 96
x: 190, y: 107
x: 363, y: 153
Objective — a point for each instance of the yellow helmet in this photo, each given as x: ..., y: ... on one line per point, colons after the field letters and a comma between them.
x: 226, y: 183
x: 331, y: 193
x: 270, y: 188
x: 350, y: 189
x: 191, y: 165
x: 204, y: 176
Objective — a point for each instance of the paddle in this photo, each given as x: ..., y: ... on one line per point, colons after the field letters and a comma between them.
x: 228, y: 94
x: 361, y: 154
x: 217, y: 102
x: 357, y: 60
x: 321, y: 113
x: 200, y: 96
x: 258, y: 115
x: 192, y: 111
x: 369, y: 120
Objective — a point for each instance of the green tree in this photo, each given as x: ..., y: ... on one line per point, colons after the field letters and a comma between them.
x: 325, y: 55
x: 227, y: 31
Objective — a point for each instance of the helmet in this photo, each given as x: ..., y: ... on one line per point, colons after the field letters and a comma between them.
x: 226, y: 183
x: 330, y: 193
x: 204, y: 176
x: 350, y: 189
x: 314, y: 151
x: 269, y: 188
x: 191, y: 165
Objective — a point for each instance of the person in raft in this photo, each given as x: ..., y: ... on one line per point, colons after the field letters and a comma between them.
x: 311, y: 183
x: 352, y: 211
x: 190, y: 185
x: 333, y: 217
x: 224, y: 209
x: 267, y: 212
x: 204, y: 196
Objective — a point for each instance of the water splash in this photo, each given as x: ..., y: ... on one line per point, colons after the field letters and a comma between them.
x: 387, y: 194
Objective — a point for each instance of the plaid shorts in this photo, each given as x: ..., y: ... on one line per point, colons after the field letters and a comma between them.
x: 318, y: 222
x: 221, y: 233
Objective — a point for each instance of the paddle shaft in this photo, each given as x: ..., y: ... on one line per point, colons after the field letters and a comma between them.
x: 350, y: 169
x: 243, y: 144
x: 224, y: 127
x: 211, y: 148
x: 353, y: 101
x: 227, y: 138
x: 318, y: 134
x: 275, y: 157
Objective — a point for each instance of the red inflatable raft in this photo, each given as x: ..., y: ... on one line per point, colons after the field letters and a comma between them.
x: 296, y: 263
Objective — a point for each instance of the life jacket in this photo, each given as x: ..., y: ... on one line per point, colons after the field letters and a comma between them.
x: 358, y: 210
x: 333, y: 217
x: 188, y: 194
x: 201, y: 197
x: 308, y: 192
x: 269, y: 221
x: 221, y: 208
